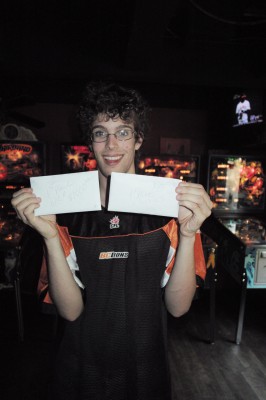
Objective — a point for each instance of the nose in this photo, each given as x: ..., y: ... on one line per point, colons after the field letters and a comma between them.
x: 111, y: 141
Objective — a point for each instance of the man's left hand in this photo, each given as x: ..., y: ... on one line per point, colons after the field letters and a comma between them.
x: 194, y: 207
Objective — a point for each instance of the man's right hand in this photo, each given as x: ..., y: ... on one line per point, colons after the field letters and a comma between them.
x: 25, y: 202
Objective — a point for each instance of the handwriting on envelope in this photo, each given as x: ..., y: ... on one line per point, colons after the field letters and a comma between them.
x: 143, y: 194
x: 67, y: 193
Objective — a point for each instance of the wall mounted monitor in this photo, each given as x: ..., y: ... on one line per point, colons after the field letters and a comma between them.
x: 247, y: 107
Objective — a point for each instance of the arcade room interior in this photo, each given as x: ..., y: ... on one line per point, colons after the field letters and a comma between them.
x: 201, y: 66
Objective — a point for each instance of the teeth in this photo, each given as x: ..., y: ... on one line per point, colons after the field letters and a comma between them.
x: 114, y: 158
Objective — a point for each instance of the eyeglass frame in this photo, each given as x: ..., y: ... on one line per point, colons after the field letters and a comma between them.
x: 134, y: 133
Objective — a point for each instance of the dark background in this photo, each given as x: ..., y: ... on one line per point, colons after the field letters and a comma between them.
x: 49, y: 48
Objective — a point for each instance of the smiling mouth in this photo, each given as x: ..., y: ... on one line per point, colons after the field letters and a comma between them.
x: 112, y: 158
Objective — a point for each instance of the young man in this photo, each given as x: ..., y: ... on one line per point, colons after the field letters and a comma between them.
x: 108, y: 272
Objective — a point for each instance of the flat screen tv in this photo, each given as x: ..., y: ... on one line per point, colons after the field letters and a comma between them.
x: 247, y: 107
x: 236, y: 183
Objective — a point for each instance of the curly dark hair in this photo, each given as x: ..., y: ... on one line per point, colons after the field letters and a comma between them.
x: 114, y: 101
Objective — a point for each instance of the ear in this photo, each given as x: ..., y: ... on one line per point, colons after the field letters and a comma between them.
x: 138, y: 143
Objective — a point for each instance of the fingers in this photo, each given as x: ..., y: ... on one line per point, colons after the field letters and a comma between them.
x: 194, y: 207
x: 194, y: 197
x: 27, y: 213
x: 25, y: 202
x: 21, y: 191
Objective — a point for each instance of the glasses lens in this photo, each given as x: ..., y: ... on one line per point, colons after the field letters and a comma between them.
x: 99, y: 136
x: 124, y: 134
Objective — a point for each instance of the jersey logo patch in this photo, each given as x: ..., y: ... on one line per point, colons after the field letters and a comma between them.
x: 106, y: 255
x: 114, y: 222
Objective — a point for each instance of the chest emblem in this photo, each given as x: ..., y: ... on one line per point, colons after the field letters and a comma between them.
x: 114, y: 222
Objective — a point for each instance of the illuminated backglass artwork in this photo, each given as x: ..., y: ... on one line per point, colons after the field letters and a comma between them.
x: 177, y: 167
x: 77, y: 158
x: 21, y: 160
x: 237, y: 183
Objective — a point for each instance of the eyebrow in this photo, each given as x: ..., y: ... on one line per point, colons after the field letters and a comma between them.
x: 118, y: 127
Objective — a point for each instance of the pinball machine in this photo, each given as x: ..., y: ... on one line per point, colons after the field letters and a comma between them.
x: 236, y: 185
x: 18, y: 162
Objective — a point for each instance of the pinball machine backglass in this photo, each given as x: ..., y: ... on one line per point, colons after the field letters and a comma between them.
x: 170, y: 166
x: 77, y: 158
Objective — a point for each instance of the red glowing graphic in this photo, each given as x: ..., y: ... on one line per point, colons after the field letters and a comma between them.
x: 3, y: 172
x: 236, y: 184
x: 169, y: 167
x: 19, y: 161
x: 78, y: 158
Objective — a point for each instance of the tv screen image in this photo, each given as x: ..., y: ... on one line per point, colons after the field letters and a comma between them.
x: 237, y: 183
x: 77, y: 158
x: 20, y: 161
x: 247, y: 108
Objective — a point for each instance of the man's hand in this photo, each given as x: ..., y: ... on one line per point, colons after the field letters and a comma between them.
x: 194, y: 207
x: 25, y: 202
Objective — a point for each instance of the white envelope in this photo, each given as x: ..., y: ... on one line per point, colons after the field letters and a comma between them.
x: 143, y: 194
x: 66, y: 193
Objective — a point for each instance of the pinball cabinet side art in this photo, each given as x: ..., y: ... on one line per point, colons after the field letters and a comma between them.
x: 18, y: 162
x: 236, y: 185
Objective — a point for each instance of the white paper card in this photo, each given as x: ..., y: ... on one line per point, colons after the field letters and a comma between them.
x: 66, y: 193
x: 143, y: 194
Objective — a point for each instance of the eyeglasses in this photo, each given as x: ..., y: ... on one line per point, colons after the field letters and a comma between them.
x: 99, y: 135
